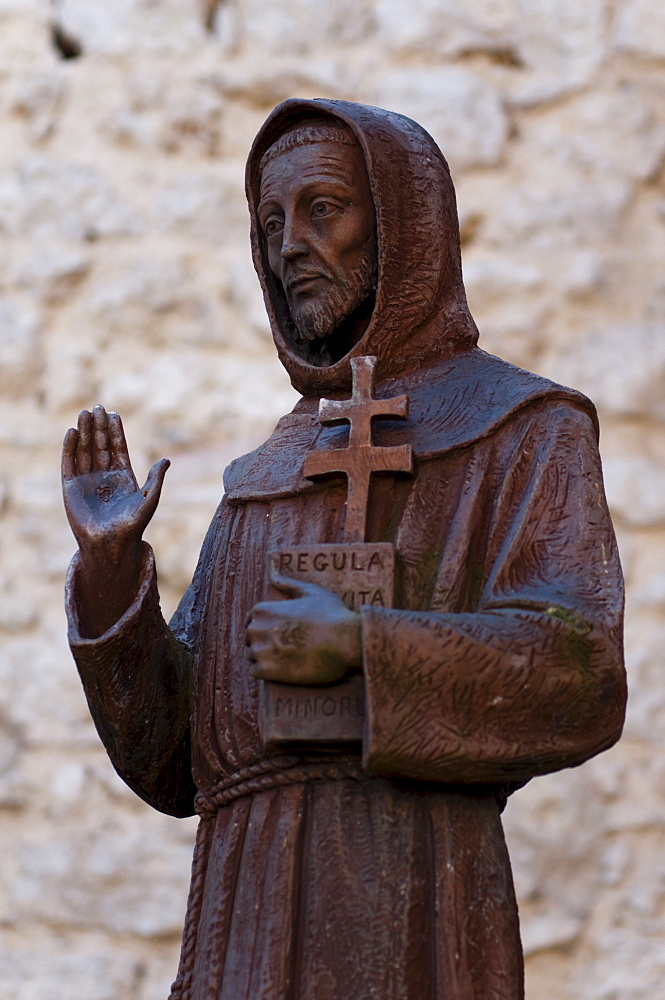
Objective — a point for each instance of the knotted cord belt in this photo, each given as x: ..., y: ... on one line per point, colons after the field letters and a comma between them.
x: 275, y: 774
x: 259, y: 777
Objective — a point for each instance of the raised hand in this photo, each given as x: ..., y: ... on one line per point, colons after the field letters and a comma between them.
x: 312, y: 638
x: 107, y: 511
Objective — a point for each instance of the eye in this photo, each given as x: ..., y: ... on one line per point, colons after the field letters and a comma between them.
x: 322, y: 208
x: 273, y: 225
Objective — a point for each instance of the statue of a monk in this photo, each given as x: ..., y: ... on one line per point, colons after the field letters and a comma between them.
x: 377, y: 872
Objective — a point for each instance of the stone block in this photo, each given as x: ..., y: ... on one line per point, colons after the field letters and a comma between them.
x: 172, y: 26
x: 20, y: 329
x: 169, y: 113
x: 555, y: 206
x: 25, y: 31
x: 640, y: 28
x: 561, y: 45
x: 47, y: 198
x: 491, y: 278
x: 204, y: 205
x: 644, y: 640
x: 626, y: 928
x: 580, y: 273
x: 154, y: 284
x: 38, y: 98
x: 40, y: 693
x: 24, y: 6
x: 443, y: 26
x: 10, y: 741
x: 618, y: 131
x: 261, y: 87
x: 621, y: 367
x: 462, y: 111
x: 505, y: 294
x: 86, y: 881
x: 18, y: 612
x: 53, y: 270
x: 301, y: 25
x: 29, y: 974
x: 629, y: 497
x: 245, y: 293
x: 553, y: 828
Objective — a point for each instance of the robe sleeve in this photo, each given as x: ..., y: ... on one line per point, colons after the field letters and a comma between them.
x: 136, y: 681
x: 531, y: 679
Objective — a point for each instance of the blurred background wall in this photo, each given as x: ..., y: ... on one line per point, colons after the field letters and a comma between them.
x: 125, y: 278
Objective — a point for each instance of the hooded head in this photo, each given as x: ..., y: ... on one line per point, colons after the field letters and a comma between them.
x: 406, y: 294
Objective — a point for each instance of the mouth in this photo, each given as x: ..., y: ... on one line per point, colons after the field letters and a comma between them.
x: 302, y: 281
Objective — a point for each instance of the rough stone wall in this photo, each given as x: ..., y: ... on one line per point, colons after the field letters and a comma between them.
x: 125, y: 278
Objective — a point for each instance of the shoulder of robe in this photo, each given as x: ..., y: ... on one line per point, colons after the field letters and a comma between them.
x: 458, y: 402
x: 467, y: 398
x: 274, y: 469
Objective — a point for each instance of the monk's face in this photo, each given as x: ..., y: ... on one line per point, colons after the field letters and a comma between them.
x: 317, y: 214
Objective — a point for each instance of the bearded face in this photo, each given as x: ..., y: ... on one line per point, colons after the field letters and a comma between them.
x: 317, y: 215
x: 317, y: 317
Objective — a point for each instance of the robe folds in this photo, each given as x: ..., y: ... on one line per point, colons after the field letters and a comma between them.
x: 380, y: 875
x: 500, y: 661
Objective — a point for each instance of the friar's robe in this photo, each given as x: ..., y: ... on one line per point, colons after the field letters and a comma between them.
x: 501, y: 660
x: 381, y: 875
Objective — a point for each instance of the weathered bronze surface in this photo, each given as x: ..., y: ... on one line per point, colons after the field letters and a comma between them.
x: 360, y: 458
x: 349, y: 732
x: 359, y: 572
x: 298, y: 714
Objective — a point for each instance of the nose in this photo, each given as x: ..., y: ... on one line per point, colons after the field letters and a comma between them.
x: 293, y: 245
x: 291, y: 251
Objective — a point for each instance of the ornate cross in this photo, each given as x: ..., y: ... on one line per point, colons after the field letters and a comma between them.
x: 361, y: 458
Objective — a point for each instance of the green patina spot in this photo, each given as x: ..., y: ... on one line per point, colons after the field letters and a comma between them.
x: 428, y: 563
x: 569, y: 618
x: 390, y: 529
x: 579, y: 649
x: 474, y: 585
x: 576, y: 646
x: 426, y: 570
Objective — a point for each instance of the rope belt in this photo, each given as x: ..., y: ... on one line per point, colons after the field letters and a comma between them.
x: 275, y: 774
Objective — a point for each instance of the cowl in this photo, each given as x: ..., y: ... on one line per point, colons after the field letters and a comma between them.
x: 420, y: 315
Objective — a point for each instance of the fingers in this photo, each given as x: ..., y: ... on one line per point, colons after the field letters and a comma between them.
x: 117, y: 443
x: 155, y: 477
x: 152, y: 487
x: 275, y: 610
x: 260, y: 624
x: 84, y: 445
x: 101, y: 454
x: 99, y: 445
x: 92, y: 450
x: 68, y: 466
x: 288, y: 586
x: 255, y: 641
x: 264, y: 649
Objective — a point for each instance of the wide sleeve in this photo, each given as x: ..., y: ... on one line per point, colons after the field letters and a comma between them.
x: 530, y: 679
x: 136, y: 681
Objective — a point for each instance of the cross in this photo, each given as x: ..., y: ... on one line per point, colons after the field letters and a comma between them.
x: 361, y: 458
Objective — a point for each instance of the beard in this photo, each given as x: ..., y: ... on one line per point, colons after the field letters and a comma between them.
x: 316, y: 319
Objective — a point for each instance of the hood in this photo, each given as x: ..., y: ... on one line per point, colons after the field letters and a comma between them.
x: 420, y: 316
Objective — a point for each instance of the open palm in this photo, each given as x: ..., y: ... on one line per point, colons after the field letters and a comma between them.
x: 106, y: 508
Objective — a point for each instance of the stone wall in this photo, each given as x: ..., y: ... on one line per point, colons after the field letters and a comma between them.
x: 125, y: 278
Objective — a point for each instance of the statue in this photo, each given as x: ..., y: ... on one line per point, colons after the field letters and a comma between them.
x: 407, y: 605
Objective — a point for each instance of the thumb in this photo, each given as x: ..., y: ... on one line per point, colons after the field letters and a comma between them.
x: 288, y: 586
x: 155, y: 479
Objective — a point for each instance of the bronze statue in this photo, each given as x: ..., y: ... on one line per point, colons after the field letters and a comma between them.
x: 349, y: 747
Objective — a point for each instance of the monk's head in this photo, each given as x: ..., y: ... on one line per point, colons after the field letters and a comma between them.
x: 317, y: 216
